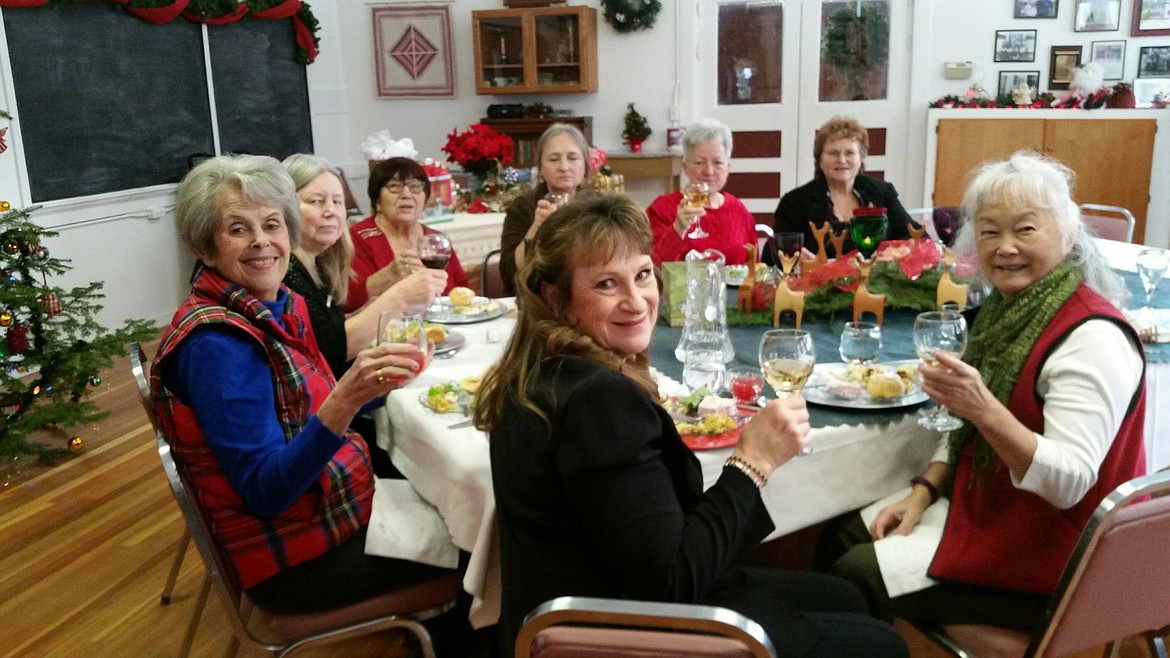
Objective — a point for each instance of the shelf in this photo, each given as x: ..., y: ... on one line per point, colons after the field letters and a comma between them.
x: 534, y: 38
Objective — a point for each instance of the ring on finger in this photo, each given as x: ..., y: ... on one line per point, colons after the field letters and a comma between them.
x: 381, y: 379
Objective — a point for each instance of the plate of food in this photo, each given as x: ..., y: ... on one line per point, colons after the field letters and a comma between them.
x: 451, y: 342
x: 445, y: 398
x: 462, y: 306
x: 874, y: 386
x: 706, y: 422
x: 733, y: 275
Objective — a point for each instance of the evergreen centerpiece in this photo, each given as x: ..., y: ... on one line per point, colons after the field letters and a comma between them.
x: 637, y: 129
x: 481, y: 152
x: 51, y: 349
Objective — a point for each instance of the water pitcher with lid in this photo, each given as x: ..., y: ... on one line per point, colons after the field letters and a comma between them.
x: 705, y: 313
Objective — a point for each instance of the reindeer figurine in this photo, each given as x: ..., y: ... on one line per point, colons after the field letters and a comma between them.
x: 838, y: 240
x: 864, y: 300
x: 787, y: 299
x: 747, y: 290
x: 819, y: 234
x: 948, y: 290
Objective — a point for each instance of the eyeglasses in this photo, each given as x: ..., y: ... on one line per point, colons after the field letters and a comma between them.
x: 396, y: 186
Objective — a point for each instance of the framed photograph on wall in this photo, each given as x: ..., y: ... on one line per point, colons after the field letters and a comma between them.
x: 1065, y: 60
x: 1015, y: 45
x: 1097, y: 16
x: 1111, y: 56
x: 1009, y: 79
x: 1151, y: 18
x: 1146, y: 89
x: 1154, y: 62
x: 1036, y: 8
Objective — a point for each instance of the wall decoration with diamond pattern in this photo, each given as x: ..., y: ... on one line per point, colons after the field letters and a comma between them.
x: 412, y: 50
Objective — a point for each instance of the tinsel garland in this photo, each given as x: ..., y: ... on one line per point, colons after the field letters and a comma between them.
x: 631, y: 15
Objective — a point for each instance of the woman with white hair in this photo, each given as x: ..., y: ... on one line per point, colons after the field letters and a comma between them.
x: 724, y: 219
x: 1052, y: 392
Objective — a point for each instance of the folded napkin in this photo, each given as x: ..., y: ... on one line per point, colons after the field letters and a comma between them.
x: 904, y: 559
x: 404, y: 526
x: 1155, y: 321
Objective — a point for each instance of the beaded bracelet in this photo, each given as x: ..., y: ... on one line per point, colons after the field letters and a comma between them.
x: 930, y: 488
x: 747, y: 469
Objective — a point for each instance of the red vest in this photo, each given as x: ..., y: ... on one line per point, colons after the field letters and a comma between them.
x: 1000, y: 536
x: 334, y: 508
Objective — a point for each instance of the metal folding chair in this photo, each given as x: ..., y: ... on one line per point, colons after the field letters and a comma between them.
x: 491, y: 284
x: 1109, y: 222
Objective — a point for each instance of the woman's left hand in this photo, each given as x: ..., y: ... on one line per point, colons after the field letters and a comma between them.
x: 956, y: 385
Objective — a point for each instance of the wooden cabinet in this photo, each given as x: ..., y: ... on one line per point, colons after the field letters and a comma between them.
x: 547, y: 50
x: 1112, y: 158
x: 525, y: 133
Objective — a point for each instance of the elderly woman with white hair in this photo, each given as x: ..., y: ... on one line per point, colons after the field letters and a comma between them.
x: 725, y: 221
x: 1052, y: 392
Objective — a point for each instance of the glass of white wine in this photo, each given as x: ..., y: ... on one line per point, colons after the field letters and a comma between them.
x: 697, y: 195
x: 934, y: 332
x: 787, y: 358
x: 1151, y: 267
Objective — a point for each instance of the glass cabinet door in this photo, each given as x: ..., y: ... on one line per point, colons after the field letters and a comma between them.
x: 501, y: 53
x: 558, y: 57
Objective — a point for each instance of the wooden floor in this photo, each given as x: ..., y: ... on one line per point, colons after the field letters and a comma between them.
x: 85, y: 547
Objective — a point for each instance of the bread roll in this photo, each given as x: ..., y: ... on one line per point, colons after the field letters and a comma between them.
x: 884, y: 385
x: 461, y: 296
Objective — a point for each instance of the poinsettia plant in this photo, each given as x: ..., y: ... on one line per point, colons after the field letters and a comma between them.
x: 479, y: 150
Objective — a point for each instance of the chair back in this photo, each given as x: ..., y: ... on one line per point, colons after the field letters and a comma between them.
x: 765, y: 244
x: 138, y: 365
x: 1117, y: 581
x: 572, y: 627
x: 491, y: 284
x: 1109, y: 222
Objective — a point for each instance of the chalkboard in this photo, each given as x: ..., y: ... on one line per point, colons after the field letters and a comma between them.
x: 106, y: 101
x: 261, y: 94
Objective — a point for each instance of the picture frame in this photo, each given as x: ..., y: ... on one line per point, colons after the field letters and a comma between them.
x: 1145, y: 89
x: 1151, y: 18
x: 1111, y: 56
x: 1036, y: 8
x: 1154, y: 62
x: 674, y: 137
x: 1064, y: 62
x: 1015, y: 45
x: 1097, y: 16
x: 1009, y: 79
x: 413, y: 51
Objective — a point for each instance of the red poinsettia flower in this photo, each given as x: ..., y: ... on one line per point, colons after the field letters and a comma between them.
x: 479, y: 149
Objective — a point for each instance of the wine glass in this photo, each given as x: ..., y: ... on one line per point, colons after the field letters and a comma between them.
x: 434, y: 250
x: 868, y: 231
x: 557, y: 200
x: 788, y: 245
x: 947, y: 221
x: 787, y: 359
x: 697, y: 195
x: 1151, y: 267
x: 704, y: 368
x: 861, y: 342
x: 403, y: 326
x: 934, y: 332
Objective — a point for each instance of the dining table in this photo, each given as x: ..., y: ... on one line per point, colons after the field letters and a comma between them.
x: 857, y: 455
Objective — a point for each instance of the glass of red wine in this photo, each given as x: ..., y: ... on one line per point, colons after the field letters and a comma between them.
x: 947, y: 221
x: 434, y: 250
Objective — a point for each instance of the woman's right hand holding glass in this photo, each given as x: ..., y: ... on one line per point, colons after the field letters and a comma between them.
x: 375, y: 372
x: 686, y: 216
x: 775, y: 434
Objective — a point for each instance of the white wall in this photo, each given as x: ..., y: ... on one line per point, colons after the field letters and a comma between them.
x: 145, y: 268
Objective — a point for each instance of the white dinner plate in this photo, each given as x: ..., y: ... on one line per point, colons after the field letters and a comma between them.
x: 814, y: 392
x: 452, y: 342
x: 481, y: 309
x: 733, y: 275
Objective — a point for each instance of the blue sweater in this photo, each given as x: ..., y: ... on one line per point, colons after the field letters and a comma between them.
x: 223, y: 376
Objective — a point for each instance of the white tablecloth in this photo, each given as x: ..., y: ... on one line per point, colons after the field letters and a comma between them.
x: 850, y: 467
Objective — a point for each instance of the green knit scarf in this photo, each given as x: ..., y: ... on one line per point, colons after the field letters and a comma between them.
x: 1003, y: 336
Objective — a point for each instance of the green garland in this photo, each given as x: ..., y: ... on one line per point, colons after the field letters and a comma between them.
x: 837, y: 47
x: 631, y: 15
x: 884, y: 279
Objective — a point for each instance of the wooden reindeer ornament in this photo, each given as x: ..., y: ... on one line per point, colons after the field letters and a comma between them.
x: 787, y: 299
x: 916, y: 232
x: 948, y: 290
x: 838, y: 240
x: 864, y: 300
x: 747, y: 290
x: 819, y: 234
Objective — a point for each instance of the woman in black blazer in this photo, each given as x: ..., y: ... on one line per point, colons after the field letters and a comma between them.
x: 838, y: 188
x: 596, y: 494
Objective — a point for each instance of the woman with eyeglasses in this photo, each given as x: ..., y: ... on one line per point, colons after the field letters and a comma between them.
x: 384, y: 243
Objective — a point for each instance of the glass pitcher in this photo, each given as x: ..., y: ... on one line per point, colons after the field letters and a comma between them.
x: 705, y: 313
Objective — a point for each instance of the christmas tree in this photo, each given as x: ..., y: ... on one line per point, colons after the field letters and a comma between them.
x: 637, y: 128
x: 51, y: 348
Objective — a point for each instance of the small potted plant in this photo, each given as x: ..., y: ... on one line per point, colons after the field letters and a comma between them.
x: 637, y: 129
x: 1121, y: 96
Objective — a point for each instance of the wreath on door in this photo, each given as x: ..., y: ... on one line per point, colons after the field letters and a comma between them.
x: 631, y: 15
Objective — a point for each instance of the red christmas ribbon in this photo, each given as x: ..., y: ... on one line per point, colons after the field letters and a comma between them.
x: 159, y: 15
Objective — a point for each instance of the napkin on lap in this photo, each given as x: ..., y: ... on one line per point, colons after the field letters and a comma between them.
x: 404, y: 526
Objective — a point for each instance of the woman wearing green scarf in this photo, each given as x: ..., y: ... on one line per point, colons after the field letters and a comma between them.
x: 1052, y: 391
